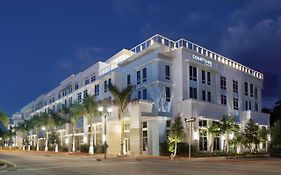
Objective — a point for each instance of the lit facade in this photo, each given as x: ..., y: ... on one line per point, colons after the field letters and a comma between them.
x: 170, y: 78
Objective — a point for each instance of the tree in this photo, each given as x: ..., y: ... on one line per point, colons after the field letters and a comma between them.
x: 263, y: 135
x: 276, y: 133
x: 121, y: 99
x: 250, y: 135
x: 37, y: 124
x: 213, y: 131
x: 24, y: 128
x: 4, y: 119
x: 47, y: 122
x: 90, y: 110
x: 76, y: 112
x: 227, y: 126
x: 276, y: 113
x: 176, y: 135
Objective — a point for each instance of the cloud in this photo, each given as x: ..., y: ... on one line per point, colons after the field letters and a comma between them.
x: 88, y: 53
x: 253, y: 37
x: 65, y: 64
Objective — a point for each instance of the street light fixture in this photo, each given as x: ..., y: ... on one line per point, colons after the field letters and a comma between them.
x: 190, y: 121
x: 105, y: 114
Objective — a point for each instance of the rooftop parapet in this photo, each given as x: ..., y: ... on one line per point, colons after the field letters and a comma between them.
x: 183, y: 43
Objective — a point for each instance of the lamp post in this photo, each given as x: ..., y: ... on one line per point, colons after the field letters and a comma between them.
x: 46, y: 137
x: 102, y: 112
x: 190, y: 121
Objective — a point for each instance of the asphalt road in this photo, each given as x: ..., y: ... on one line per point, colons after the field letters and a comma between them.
x: 35, y: 164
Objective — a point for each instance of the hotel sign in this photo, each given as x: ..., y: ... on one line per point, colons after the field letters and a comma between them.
x: 202, y: 60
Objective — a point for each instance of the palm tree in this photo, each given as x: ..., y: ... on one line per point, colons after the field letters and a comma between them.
x: 213, y: 131
x: 64, y: 114
x: 23, y: 128
x: 227, y: 126
x: 76, y: 112
x: 58, y: 121
x: 90, y: 110
x: 121, y: 98
x: 47, y: 122
x: 4, y: 119
x: 37, y: 124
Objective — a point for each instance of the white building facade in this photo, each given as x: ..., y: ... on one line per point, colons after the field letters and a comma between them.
x: 170, y: 78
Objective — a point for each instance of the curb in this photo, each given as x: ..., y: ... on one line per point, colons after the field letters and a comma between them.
x: 6, y: 164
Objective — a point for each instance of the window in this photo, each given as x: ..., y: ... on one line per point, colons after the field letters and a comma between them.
x: 209, y: 96
x: 144, y: 94
x: 256, y: 93
x: 144, y: 137
x: 203, y: 95
x: 79, y: 96
x: 144, y: 74
x: 109, y: 82
x: 87, y: 81
x: 168, y: 94
x: 70, y: 90
x: 251, y: 90
x: 76, y: 86
x: 105, y: 86
x: 223, y: 100
x: 235, y: 86
x: 203, y: 142
x: 203, y: 123
x: 85, y: 93
x: 203, y: 77
x: 248, y: 105
x: 193, y: 93
x: 216, y: 144
x: 128, y: 80
x: 59, y: 96
x: 97, y: 89
x: 192, y: 73
x: 256, y: 107
x: 98, y: 134
x: 93, y: 78
x: 167, y: 72
x: 223, y: 82
x: 139, y: 94
x: 209, y: 78
x: 138, y: 77
x: 246, y: 89
x: 235, y: 103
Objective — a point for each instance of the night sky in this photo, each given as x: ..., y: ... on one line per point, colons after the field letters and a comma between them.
x: 43, y: 42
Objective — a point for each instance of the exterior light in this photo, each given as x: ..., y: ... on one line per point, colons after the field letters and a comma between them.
x: 109, y: 109
x: 66, y: 140
x: 231, y: 136
x: 100, y: 109
x: 195, y: 135
x: 43, y: 128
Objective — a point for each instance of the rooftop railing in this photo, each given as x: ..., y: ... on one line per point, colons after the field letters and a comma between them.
x: 183, y: 43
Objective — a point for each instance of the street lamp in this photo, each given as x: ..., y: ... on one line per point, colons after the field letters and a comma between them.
x: 190, y: 121
x: 105, y: 114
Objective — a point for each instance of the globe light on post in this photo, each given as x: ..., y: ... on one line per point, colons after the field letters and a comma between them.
x: 43, y: 128
x: 100, y: 109
x: 109, y: 110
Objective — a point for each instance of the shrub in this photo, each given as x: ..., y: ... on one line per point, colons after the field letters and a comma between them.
x: 84, y: 148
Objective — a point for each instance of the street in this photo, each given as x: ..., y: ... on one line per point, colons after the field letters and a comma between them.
x: 45, y: 164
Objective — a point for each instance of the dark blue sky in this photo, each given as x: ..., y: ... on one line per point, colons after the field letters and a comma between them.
x: 43, y: 42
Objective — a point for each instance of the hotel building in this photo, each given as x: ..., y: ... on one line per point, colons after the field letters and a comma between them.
x: 170, y: 78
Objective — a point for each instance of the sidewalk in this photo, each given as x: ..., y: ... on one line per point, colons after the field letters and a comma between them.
x: 114, y: 157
